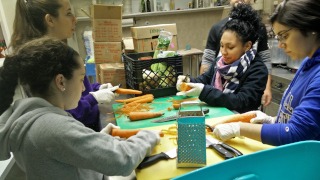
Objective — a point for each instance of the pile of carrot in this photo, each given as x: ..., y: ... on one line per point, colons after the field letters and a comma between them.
x: 140, y: 99
x: 133, y: 107
x: 174, y: 101
x: 236, y: 118
x: 126, y: 133
x: 134, y: 116
x: 127, y: 91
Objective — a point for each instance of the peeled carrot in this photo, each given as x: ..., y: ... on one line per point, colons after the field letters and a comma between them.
x: 133, y: 116
x: 126, y: 133
x: 127, y: 91
x: 236, y: 118
x: 132, y: 99
x: 147, y: 99
x: 185, y: 87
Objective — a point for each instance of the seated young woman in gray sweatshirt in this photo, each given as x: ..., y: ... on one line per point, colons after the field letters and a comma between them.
x: 46, y: 141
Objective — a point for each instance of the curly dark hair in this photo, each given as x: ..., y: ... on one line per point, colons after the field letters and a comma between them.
x: 301, y: 14
x: 35, y: 65
x: 245, y: 22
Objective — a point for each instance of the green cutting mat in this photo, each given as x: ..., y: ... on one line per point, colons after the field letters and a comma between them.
x: 125, y: 123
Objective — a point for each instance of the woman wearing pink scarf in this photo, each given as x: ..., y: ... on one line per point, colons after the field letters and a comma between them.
x: 237, y: 79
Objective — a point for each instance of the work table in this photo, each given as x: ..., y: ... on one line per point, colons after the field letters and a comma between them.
x: 167, y: 169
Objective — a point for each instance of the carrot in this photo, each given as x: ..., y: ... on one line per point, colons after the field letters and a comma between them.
x: 185, y: 87
x: 236, y: 118
x: 132, y: 99
x: 176, y: 106
x: 126, y: 133
x: 127, y: 91
x: 133, y: 116
x: 147, y: 99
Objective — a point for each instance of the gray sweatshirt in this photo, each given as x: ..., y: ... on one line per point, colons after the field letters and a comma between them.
x: 48, y: 143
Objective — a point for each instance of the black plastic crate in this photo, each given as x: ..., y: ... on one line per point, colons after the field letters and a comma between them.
x: 159, y: 84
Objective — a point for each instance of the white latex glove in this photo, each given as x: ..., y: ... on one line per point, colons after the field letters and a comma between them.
x: 180, y: 81
x: 105, y: 86
x: 262, y: 118
x: 195, y: 91
x: 104, y: 95
x: 227, y: 131
x: 108, y: 128
x: 157, y: 135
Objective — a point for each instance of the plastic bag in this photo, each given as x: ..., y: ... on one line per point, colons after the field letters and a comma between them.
x: 164, y: 40
x: 88, y: 41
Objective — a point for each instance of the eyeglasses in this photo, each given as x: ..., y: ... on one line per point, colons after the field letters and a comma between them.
x: 280, y: 38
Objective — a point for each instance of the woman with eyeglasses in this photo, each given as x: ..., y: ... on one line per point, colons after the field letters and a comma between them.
x: 296, y: 24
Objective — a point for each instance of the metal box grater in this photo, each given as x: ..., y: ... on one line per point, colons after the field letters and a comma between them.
x: 191, y: 150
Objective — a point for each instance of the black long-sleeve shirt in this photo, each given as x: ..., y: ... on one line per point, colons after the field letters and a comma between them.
x: 248, y: 94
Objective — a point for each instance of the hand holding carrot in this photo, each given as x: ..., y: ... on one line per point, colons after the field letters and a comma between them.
x: 195, y: 91
x: 104, y: 95
x: 181, y: 79
x: 261, y: 118
x: 108, y: 129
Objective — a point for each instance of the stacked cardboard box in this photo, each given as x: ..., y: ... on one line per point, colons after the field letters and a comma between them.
x: 145, y: 38
x: 107, y: 36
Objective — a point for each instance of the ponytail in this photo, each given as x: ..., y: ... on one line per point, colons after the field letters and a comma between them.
x: 29, y: 22
x: 8, y: 82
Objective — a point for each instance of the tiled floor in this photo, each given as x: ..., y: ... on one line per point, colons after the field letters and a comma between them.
x: 17, y: 174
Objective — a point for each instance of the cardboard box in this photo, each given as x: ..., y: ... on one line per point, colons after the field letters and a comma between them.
x: 128, y: 45
x: 147, y: 45
x: 112, y: 73
x: 145, y: 38
x: 107, y: 52
x: 106, y: 23
x: 144, y: 32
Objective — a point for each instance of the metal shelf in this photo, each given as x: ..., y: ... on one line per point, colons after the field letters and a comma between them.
x: 161, y: 13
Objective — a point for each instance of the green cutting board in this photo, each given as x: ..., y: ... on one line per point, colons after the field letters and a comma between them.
x: 162, y: 104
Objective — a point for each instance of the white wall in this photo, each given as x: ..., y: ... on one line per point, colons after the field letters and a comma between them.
x: 7, y: 14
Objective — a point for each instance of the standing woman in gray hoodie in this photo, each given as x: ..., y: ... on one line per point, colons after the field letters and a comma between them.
x: 46, y: 141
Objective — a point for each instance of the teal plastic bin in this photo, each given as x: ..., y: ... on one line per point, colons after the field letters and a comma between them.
x: 293, y: 161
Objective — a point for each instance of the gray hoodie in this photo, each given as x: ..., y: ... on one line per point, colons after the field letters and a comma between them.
x: 48, y: 143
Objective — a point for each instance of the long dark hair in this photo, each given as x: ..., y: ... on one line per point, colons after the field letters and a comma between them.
x: 301, y: 14
x: 29, y: 22
x: 36, y: 64
x: 245, y: 22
